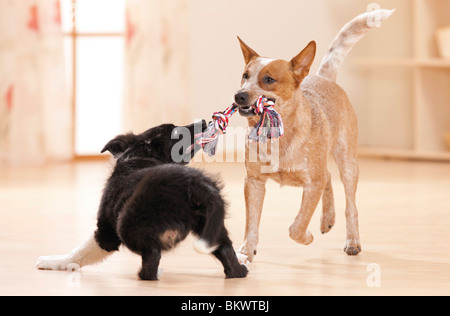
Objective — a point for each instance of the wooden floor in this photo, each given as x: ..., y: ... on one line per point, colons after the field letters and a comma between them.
x: 404, y: 220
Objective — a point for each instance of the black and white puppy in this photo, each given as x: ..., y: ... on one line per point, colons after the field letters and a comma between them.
x: 152, y: 201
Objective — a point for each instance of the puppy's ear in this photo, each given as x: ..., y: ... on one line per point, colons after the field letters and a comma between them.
x: 301, y: 64
x: 249, y: 54
x: 119, y: 144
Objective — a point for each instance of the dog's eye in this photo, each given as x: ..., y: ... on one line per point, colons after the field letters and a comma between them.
x: 245, y: 76
x: 268, y: 80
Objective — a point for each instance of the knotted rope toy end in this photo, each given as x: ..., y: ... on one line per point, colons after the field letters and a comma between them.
x: 218, y: 126
x: 270, y: 126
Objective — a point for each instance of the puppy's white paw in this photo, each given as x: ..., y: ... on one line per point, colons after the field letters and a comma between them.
x: 54, y: 263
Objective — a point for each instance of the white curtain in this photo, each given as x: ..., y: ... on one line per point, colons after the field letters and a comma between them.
x: 35, y: 110
x: 156, y: 66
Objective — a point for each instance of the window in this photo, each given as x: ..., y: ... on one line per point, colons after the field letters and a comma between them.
x: 94, y: 33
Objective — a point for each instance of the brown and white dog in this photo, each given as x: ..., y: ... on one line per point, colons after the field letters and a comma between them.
x: 319, y: 120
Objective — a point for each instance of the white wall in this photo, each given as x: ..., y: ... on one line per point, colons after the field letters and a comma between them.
x: 277, y: 29
x: 281, y: 29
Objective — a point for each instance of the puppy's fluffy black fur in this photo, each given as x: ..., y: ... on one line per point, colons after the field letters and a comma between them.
x: 150, y: 203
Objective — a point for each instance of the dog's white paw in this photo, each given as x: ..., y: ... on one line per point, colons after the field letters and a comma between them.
x: 248, y: 249
x: 54, y: 263
x: 243, y: 259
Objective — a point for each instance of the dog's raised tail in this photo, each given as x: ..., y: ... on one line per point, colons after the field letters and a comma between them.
x: 350, y: 34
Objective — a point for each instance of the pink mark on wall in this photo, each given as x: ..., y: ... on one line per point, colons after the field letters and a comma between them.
x: 130, y: 29
x: 9, y: 97
x: 57, y: 17
x: 33, y: 22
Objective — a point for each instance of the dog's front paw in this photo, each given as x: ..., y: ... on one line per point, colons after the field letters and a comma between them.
x: 304, y: 238
x: 243, y: 259
x: 53, y: 263
x: 246, y: 252
x: 352, y: 247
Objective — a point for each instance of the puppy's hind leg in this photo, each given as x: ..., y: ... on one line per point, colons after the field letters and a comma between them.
x: 150, y: 262
x: 227, y: 256
x: 213, y: 236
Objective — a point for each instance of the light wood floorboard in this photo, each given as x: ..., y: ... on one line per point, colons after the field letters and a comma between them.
x: 404, y: 222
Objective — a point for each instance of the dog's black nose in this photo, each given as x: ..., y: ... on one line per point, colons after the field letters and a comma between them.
x: 242, y: 98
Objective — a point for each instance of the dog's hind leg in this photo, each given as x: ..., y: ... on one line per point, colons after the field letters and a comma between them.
x: 311, y: 196
x: 350, y: 179
x: 327, y: 220
x: 87, y: 254
x: 345, y: 154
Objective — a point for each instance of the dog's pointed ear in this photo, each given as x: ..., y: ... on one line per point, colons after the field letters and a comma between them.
x: 118, y: 145
x: 301, y: 64
x: 249, y: 54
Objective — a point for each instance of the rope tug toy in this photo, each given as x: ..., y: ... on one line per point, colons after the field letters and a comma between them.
x: 270, y: 126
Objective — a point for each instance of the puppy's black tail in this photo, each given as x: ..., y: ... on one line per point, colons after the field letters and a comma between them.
x: 214, y: 216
